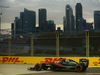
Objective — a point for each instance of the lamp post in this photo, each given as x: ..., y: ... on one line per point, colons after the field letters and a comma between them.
x: 57, y: 44
x: 87, y: 43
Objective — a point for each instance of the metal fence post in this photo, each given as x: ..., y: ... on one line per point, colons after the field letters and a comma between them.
x: 87, y: 43
x: 9, y: 46
x: 57, y: 44
x: 32, y: 45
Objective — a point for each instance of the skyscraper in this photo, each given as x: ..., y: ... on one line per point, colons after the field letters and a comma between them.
x: 64, y: 23
x: 16, y: 26
x: 26, y: 24
x: 49, y: 26
x: 68, y: 19
x: 21, y: 20
x: 29, y: 21
x: 97, y: 20
x: 12, y: 29
x: 42, y: 18
x: 72, y: 22
x: 78, y: 14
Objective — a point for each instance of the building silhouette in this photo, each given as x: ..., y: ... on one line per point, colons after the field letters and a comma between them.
x: 68, y: 20
x: 12, y: 29
x: 79, y: 15
x: 89, y: 26
x: 21, y: 20
x: 49, y: 26
x: 97, y: 20
x: 17, y: 27
x: 29, y: 21
x: 25, y: 24
x: 82, y: 24
x: 42, y: 18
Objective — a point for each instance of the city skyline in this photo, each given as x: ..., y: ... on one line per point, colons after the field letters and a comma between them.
x: 55, y: 9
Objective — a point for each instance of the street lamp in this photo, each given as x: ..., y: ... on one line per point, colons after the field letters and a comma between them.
x: 87, y: 42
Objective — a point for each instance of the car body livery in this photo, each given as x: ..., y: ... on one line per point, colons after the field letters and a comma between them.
x: 65, y: 64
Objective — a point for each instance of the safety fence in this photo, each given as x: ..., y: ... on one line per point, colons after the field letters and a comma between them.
x: 60, y: 44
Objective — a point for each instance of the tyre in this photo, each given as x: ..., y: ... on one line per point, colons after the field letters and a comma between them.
x: 78, y: 68
x: 38, y: 67
x: 84, y: 69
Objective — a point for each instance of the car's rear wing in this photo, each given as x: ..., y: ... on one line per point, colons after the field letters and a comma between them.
x: 84, y: 61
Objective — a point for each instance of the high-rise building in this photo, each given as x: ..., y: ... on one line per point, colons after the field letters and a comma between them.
x: 29, y: 21
x: 89, y: 26
x: 26, y: 24
x: 82, y: 24
x: 49, y: 26
x: 68, y: 19
x: 64, y: 23
x: 42, y: 18
x: 97, y: 20
x: 21, y: 20
x: 16, y: 29
x: 72, y: 23
x: 12, y: 29
x: 78, y: 14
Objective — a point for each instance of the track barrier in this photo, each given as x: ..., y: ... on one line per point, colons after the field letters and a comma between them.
x: 93, y: 61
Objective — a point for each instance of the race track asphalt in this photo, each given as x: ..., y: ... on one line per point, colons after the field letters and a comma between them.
x: 21, y: 69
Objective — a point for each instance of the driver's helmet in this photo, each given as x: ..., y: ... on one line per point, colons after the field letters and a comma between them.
x: 62, y: 60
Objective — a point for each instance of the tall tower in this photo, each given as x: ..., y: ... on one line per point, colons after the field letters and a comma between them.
x: 78, y: 14
x: 64, y: 23
x: 42, y: 18
x: 97, y: 20
x: 29, y: 21
x: 12, y: 30
x: 21, y: 20
x: 68, y: 19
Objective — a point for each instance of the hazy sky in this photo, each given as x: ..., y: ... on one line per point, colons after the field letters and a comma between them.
x: 55, y: 9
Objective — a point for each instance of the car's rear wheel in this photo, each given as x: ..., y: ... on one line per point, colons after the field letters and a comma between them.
x: 83, y: 67
x: 38, y: 67
x: 78, y: 68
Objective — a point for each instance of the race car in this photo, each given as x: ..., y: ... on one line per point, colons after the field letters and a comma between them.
x: 64, y: 64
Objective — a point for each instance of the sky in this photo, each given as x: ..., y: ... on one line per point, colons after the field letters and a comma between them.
x: 55, y: 9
